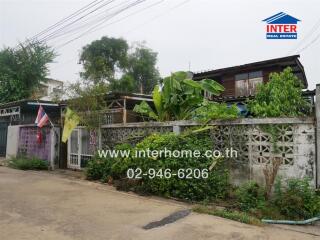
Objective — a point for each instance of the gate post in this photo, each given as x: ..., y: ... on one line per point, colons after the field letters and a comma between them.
x: 317, y: 109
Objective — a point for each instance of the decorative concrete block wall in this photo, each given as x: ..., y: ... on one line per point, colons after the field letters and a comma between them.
x: 295, y: 140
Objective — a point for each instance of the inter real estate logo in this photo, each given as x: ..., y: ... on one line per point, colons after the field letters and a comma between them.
x: 281, y: 26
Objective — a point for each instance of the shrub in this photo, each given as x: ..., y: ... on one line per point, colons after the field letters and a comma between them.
x: 101, y: 168
x: 25, y: 163
x: 250, y: 196
x: 213, y: 187
x: 298, y: 200
x: 280, y: 97
x: 229, y: 214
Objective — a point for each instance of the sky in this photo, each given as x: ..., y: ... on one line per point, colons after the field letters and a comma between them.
x: 191, y: 35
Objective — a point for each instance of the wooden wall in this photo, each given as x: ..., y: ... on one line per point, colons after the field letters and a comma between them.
x: 228, y: 80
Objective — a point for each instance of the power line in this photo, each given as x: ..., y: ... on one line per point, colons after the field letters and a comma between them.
x: 84, y: 24
x: 312, y: 42
x: 129, y: 15
x: 160, y: 15
x: 121, y: 19
x: 92, y: 28
x: 76, y: 20
x: 81, y: 10
x: 309, y: 34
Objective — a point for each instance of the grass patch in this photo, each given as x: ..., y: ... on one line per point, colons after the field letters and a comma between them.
x: 229, y: 214
x: 25, y: 163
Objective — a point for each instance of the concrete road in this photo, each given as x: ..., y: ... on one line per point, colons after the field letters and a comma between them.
x: 40, y: 205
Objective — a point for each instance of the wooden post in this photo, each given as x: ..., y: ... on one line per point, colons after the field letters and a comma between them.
x: 124, y: 113
x: 317, y: 109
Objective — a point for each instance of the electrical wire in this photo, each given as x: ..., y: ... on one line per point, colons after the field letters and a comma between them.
x: 310, y: 44
x: 62, y: 21
x: 159, y: 16
x: 309, y: 34
x: 93, y: 28
x: 84, y: 24
x: 76, y: 20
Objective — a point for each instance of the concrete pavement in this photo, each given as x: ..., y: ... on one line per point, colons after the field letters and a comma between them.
x: 42, y: 205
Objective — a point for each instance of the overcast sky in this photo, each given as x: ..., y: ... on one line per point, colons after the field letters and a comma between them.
x: 206, y: 34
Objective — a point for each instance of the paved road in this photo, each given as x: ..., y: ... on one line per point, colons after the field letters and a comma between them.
x: 40, y: 205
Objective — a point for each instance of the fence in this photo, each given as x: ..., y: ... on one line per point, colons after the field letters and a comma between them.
x: 295, y: 140
x: 46, y: 147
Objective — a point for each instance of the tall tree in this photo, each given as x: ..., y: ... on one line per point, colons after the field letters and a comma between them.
x: 102, y: 58
x: 22, y: 69
x: 125, y: 69
x: 142, y: 67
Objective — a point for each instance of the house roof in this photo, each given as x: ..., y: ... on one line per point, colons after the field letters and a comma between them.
x: 281, y: 18
x: 292, y: 61
x: 28, y: 102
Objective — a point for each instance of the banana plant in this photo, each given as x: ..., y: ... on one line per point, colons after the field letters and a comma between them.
x: 177, y: 97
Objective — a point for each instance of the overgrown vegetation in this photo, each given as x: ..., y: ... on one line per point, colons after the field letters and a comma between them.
x: 193, y: 189
x: 179, y: 98
x: 280, y: 97
x: 88, y: 100
x: 250, y: 196
x: 26, y: 163
x: 229, y: 214
x: 297, y: 199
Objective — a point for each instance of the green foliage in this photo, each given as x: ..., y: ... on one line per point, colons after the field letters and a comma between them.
x: 232, y: 215
x: 280, y: 97
x: 298, y: 200
x: 101, y: 58
x: 213, y: 187
x: 250, y: 196
x: 88, y: 101
x: 99, y: 168
x: 22, y: 69
x: 105, y: 59
x: 142, y: 68
x: 212, y: 111
x: 25, y: 163
x: 178, y: 97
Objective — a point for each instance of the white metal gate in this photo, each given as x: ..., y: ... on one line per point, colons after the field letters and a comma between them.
x: 81, y: 147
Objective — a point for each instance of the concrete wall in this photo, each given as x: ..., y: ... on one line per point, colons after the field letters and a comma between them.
x: 296, y: 141
x: 317, y: 108
x: 12, y: 141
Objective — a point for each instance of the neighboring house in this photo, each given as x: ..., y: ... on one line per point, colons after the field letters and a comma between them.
x: 241, y: 81
x: 50, y: 90
x: 18, y: 133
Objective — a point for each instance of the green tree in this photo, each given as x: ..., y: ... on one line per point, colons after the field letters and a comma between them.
x: 88, y: 100
x: 22, y: 69
x: 102, y: 58
x: 280, y: 97
x: 142, y: 67
x: 109, y: 60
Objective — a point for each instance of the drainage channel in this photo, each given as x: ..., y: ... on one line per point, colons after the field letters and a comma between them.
x: 167, y: 220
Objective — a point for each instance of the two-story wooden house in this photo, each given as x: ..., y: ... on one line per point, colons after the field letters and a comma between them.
x: 241, y: 81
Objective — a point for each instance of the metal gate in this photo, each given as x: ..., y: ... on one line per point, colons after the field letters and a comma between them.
x: 81, y: 147
x: 3, y: 139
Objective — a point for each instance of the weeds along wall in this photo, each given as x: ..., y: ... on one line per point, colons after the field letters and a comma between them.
x: 294, y: 140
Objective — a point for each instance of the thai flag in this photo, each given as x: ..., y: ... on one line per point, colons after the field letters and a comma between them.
x: 42, y: 118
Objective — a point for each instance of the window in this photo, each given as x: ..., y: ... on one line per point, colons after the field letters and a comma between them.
x: 246, y: 83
